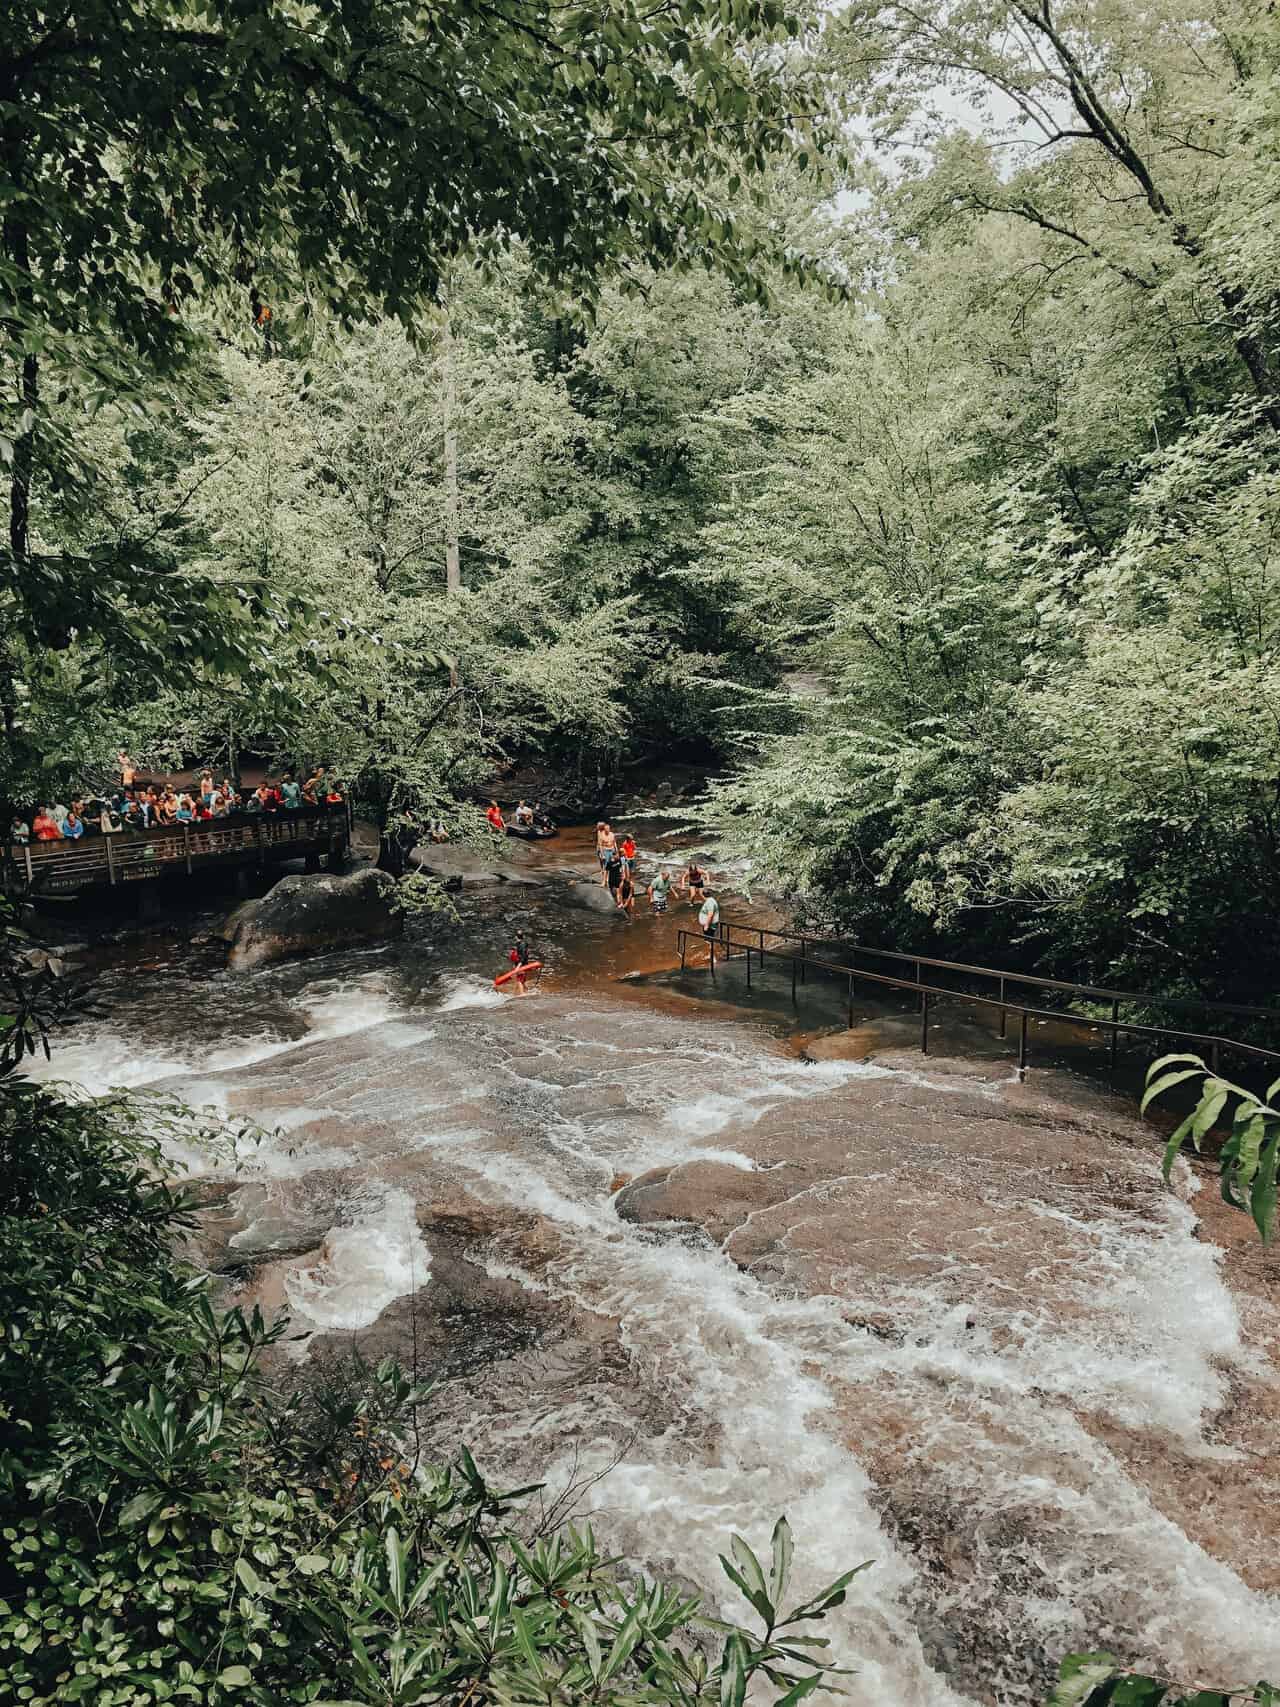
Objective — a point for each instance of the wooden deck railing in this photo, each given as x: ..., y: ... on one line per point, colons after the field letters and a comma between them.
x: 131, y: 856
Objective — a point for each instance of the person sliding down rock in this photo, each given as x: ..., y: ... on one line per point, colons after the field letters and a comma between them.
x: 520, y: 957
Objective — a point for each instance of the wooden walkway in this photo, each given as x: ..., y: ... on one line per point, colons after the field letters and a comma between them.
x: 175, y: 850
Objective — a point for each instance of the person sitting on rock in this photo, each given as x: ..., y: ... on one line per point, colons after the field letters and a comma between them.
x: 524, y: 815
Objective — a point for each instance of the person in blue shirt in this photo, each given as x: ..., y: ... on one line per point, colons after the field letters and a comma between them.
x: 73, y: 826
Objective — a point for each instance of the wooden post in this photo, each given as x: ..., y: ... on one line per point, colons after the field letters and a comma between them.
x: 111, y: 863
x: 186, y: 846
x: 26, y: 854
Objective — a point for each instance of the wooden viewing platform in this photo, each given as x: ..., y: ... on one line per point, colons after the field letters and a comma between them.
x: 177, y: 850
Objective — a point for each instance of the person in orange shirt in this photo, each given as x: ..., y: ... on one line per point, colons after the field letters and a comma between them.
x: 496, y: 820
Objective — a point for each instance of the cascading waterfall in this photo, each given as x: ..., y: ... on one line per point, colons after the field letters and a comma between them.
x: 887, y: 1308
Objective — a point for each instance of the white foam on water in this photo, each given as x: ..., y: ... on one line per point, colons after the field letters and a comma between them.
x: 727, y: 1350
x: 363, y: 1266
x: 472, y: 993
x: 102, y: 1059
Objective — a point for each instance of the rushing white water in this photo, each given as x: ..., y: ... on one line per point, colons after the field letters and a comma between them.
x: 364, y: 1265
x: 924, y: 1342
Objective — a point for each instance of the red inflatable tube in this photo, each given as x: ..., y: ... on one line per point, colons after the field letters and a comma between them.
x: 506, y: 977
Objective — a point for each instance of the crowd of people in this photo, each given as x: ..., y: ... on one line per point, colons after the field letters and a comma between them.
x: 617, y: 862
x: 141, y: 804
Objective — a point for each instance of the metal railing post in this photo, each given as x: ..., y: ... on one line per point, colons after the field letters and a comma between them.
x: 1022, y: 1047
x: 804, y: 950
x: 748, y: 968
x: 1004, y: 1012
x: 684, y: 944
x: 849, y: 1027
x: 1115, y: 1033
x: 920, y: 997
x: 793, y: 980
x: 711, y: 950
x: 924, y: 1022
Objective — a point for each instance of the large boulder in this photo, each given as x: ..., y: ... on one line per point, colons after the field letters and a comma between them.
x: 310, y: 915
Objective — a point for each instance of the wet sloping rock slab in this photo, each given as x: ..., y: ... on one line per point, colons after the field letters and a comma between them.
x: 945, y: 1321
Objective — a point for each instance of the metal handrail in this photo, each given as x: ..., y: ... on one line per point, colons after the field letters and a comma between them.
x: 1092, y: 992
x: 724, y: 939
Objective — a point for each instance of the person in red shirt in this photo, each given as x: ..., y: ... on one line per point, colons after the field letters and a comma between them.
x: 496, y: 820
x: 628, y: 851
x: 44, y: 826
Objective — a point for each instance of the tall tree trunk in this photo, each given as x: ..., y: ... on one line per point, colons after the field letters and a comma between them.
x: 452, y: 554
x: 22, y: 468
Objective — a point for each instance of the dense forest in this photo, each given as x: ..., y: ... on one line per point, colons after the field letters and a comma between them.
x: 876, y: 407
x: 982, y: 429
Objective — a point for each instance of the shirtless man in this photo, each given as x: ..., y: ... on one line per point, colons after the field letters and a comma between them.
x: 606, y: 847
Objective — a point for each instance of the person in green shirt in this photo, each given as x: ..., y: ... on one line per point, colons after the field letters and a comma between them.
x: 290, y: 793
x: 659, y: 890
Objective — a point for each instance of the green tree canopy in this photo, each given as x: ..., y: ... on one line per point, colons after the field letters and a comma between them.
x: 170, y: 166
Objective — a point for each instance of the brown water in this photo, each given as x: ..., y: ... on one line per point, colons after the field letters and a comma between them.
x: 944, y: 1321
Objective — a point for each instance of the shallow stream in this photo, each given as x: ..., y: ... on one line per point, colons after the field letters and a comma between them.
x: 943, y: 1321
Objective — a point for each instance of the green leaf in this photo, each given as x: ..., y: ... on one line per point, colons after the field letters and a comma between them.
x: 235, y: 1677
x: 733, y: 1671
x: 806, y: 1686
x: 780, y: 1572
x: 1160, y: 1086
x: 140, y: 1506
x: 248, y: 1576
x: 1263, y: 1202
x: 311, y: 1564
x: 1080, y: 1676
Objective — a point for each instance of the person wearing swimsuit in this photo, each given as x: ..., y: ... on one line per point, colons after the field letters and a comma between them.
x: 695, y: 879
x: 625, y: 893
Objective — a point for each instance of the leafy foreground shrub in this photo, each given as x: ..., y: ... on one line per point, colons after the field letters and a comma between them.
x: 171, y: 1535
